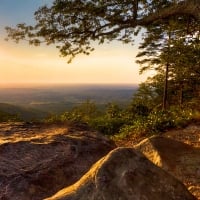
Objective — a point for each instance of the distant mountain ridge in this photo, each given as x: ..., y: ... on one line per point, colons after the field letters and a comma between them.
x: 68, y: 93
x: 26, y: 114
x: 38, y: 102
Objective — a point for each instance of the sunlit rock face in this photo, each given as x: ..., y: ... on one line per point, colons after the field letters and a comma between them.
x: 38, y: 160
x: 125, y: 174
x: 176, y: 157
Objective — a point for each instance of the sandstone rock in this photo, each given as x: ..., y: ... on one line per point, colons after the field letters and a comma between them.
x: 179, y: 159
x: 125, y: 174
x: 36, y: 161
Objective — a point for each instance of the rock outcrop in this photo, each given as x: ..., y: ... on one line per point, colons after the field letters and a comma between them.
x: 36, y: 160
x: 179, y: 159
x: 189, y: 135
x: 125, y: 174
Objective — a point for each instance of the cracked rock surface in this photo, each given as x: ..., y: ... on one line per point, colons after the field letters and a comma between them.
x: 125, y: 174
x: 38, y: 160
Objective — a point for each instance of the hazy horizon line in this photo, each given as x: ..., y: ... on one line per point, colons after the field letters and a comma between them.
x: 45, y: 84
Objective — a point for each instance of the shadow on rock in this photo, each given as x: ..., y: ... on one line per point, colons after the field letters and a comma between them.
x: 179, y: 159
x: 125, y: 174
x: 37, y: 163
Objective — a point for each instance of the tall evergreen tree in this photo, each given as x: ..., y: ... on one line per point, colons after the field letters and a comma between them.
x: 167, y: 49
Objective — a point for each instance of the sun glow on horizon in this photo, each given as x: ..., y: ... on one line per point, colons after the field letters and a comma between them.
x: 26, y: 64
x: 112, y: 63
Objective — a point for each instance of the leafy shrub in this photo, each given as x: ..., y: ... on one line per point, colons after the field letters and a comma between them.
x: 52, y: 119
x: 82, y: 113
x: 181, y: 116
x: 139, y: 109
x: 124, y: 131
x: 7, y: 117
x: 158, y: 121
x: 106, y: 125
x: 118, y: 122
x: 71, y: 116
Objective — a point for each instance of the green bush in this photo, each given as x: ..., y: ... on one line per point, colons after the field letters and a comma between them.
x: 158, y: 122
x: 71, y: 116
x: 52, y: 119
x: 106, y: 125
x: 121, y: 123
x: 7, y: 117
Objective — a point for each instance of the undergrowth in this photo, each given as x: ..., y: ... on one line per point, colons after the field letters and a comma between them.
x: 119, y: 124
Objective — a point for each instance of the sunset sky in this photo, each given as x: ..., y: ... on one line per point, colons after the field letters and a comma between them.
x: 21, y: 63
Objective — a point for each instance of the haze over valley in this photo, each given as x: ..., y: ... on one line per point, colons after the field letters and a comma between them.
x: 38, y: 101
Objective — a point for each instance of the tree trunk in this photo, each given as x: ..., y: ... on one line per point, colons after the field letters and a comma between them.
x: 181, y: 95
x: 164, y: 106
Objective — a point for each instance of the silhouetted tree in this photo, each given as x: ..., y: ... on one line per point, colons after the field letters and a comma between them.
x: 74, y: 24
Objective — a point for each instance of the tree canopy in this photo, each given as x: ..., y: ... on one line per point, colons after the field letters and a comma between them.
x: 74, y: 24
x: 172, y: 50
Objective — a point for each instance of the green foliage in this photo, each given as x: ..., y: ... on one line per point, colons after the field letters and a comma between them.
x: 113, y: 110
x: 139, y: 109
x: 82, y: 113
x: 6, y: 117
x: 108, y: 122
x: 172, y: 49
x: 73, y: 24
x: 106, y: 125
x: 158, y: 121
x: 23, y: 113
x: 52, y: 119
x: 137, y: 119
x: 124, y: 132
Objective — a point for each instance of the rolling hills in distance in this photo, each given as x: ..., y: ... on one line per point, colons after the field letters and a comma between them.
x: 38, y: 101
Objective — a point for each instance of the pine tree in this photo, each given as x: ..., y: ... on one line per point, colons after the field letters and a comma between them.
x: 168, y: 50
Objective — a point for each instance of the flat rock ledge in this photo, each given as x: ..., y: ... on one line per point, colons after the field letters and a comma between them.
x: 38, y: 160
x: 125, y: 174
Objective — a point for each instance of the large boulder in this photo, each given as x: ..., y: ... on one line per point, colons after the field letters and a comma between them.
x: 36, y: 160
x: 178, y: 158
x: 125, y: 174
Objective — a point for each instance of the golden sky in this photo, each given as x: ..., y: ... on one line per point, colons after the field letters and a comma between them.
x: 21, y: 63
x: 112, y: 63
